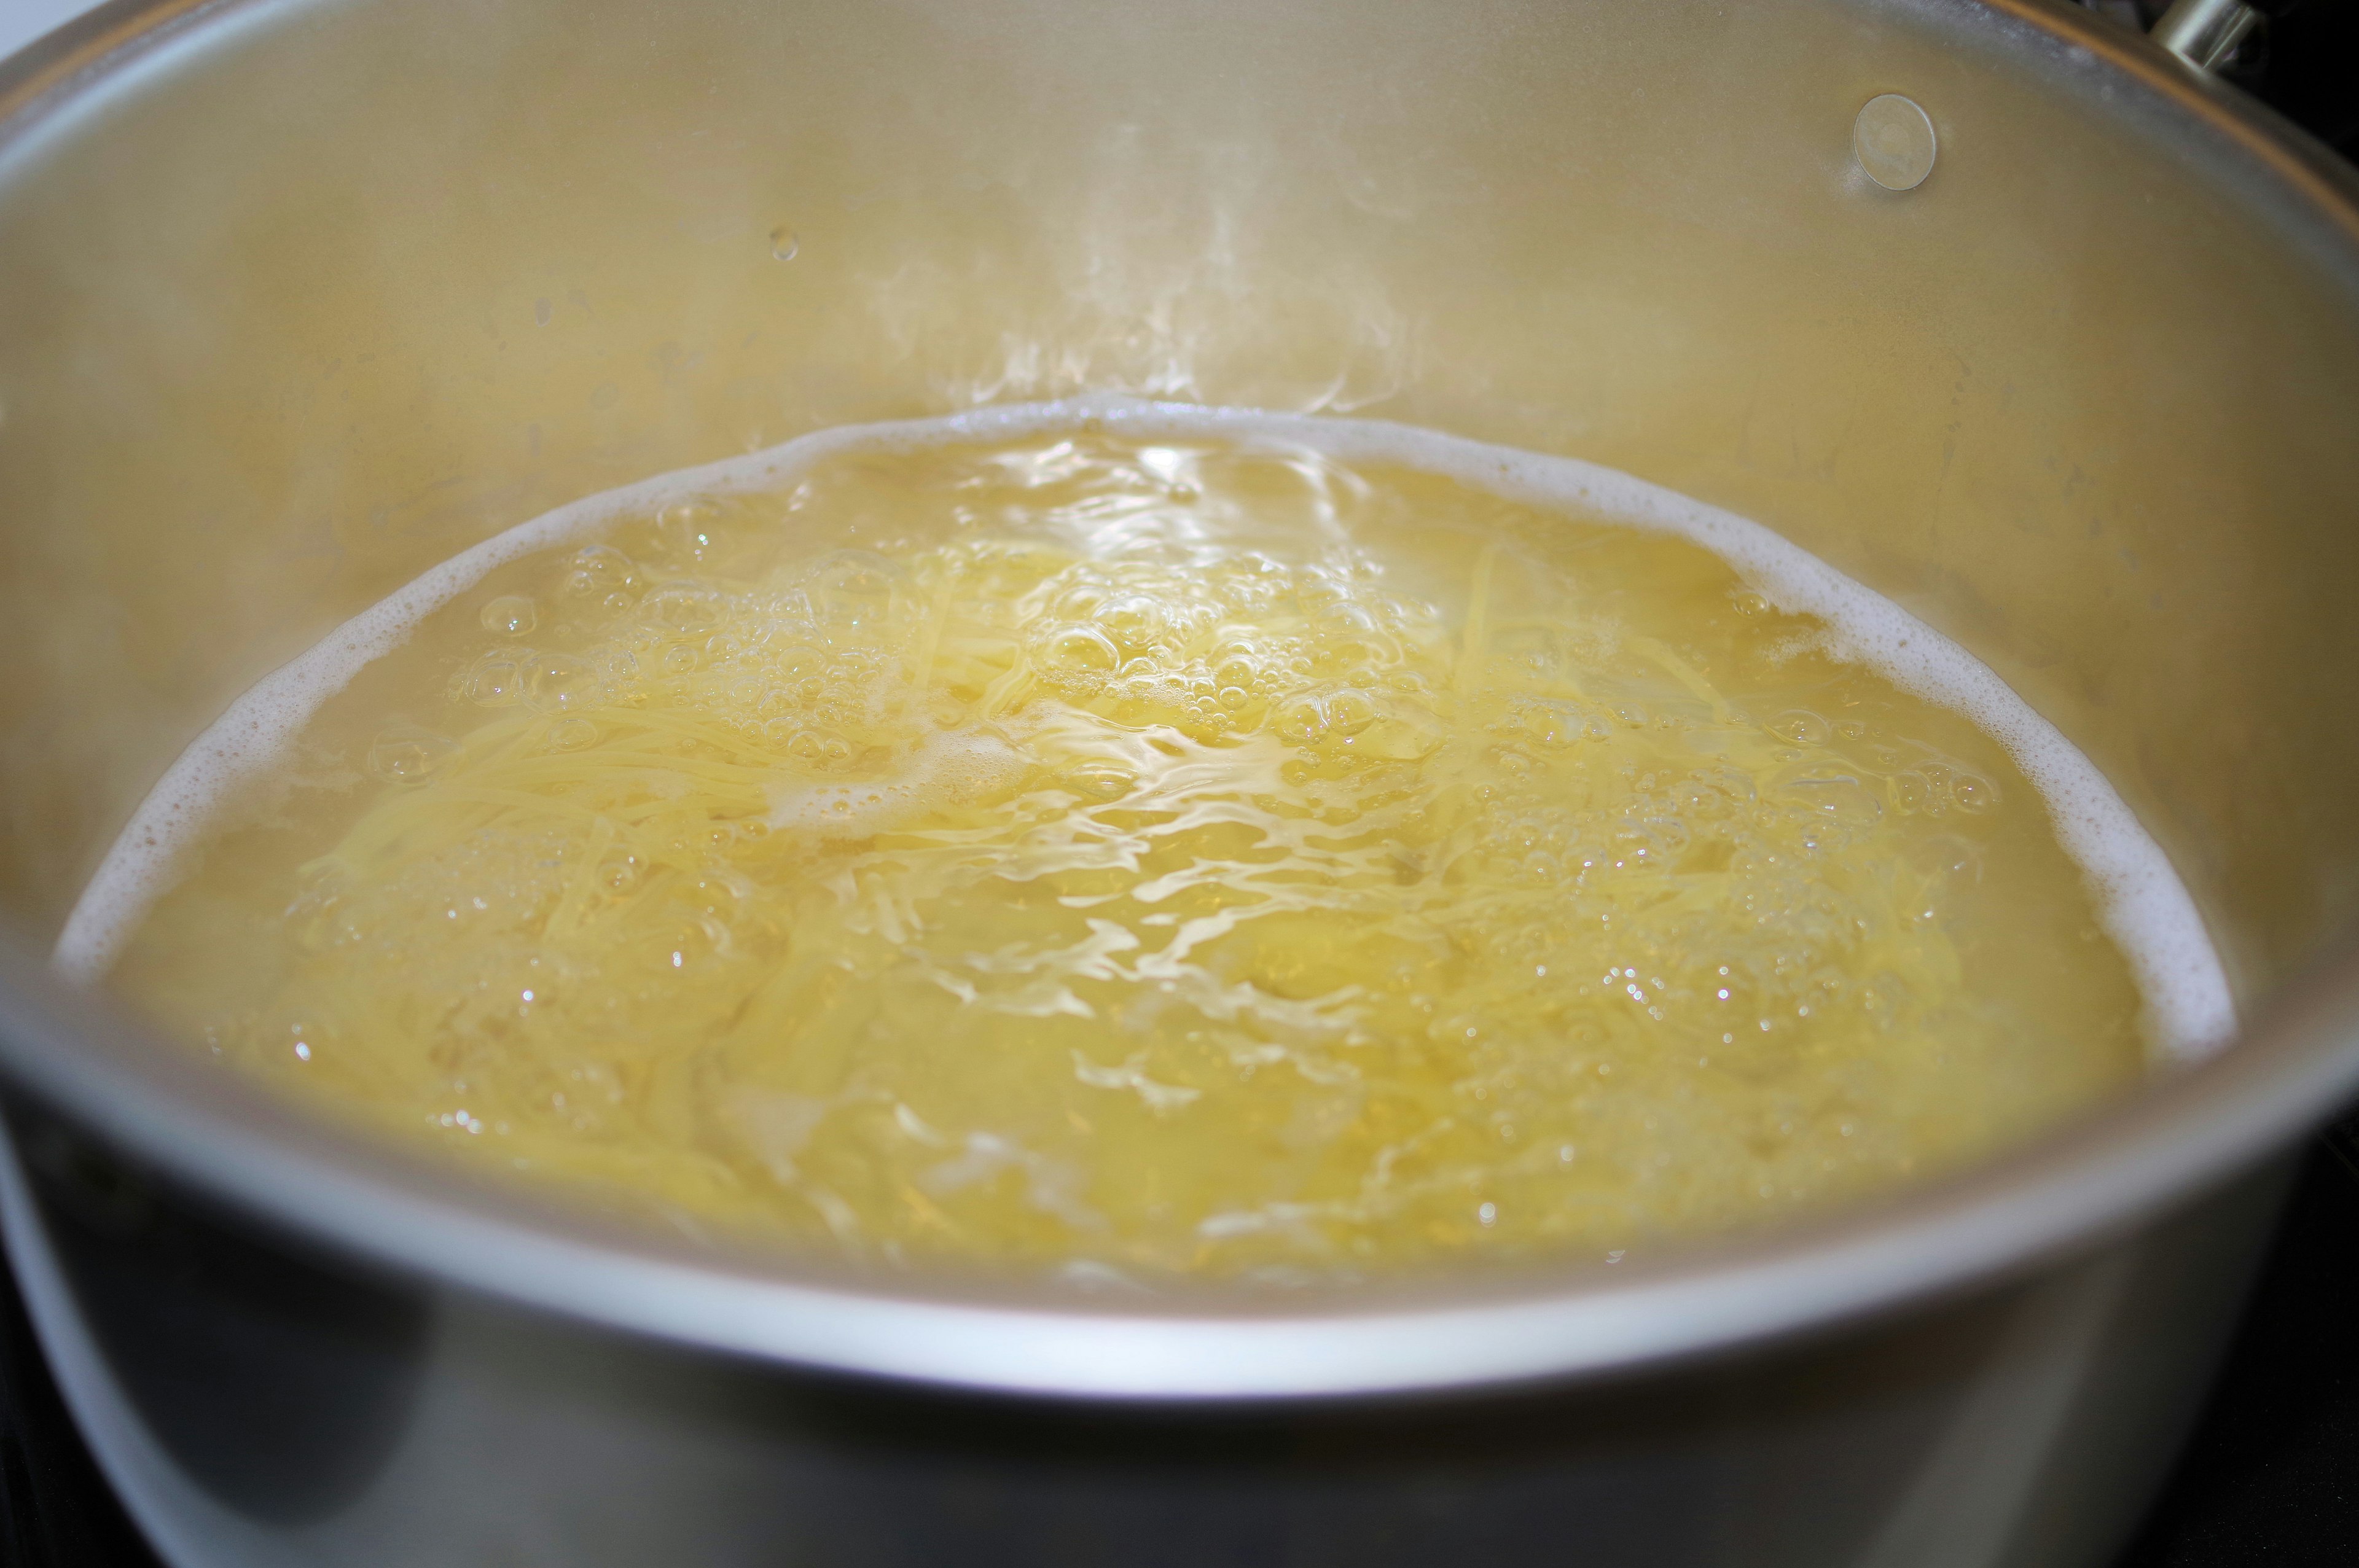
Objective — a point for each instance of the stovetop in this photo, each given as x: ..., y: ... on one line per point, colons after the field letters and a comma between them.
x: 2270, y: 1476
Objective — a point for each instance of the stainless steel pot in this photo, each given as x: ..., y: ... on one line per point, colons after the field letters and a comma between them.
x: 299, y: 296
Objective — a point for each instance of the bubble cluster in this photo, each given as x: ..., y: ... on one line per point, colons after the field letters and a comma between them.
x: 1176, y: 856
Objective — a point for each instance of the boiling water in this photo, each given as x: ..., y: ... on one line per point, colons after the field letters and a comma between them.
x: 1146, y: 841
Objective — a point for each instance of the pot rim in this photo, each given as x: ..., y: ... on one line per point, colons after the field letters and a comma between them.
x: 227, y: 1140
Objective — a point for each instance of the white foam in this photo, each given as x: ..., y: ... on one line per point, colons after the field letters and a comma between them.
x: 2146, y: 908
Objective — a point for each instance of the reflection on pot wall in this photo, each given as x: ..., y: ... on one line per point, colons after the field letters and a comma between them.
x: 1926, y: 1443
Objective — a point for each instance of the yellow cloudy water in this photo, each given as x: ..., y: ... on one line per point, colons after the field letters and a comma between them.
x: 1149, y: 859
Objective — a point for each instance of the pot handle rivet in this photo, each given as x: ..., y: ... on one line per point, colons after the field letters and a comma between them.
x: 1893, y: 138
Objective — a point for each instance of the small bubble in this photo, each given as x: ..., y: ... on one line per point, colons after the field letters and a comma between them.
x: 1101, y: 781
x: 1801, y: 727
x: 510, y: 615
x: 1348, y: 711
x: 557, y: 681
x: 688, y: 528
x: 784, y: 244
x: 685, y: 607
x: 808, y: 747
x: 1971, y: 792
x: 853, y: 588
x: 409, y: 754
x: 1346, y: 618
x: 1133, y: 620
x: 571, y: 735
x: 599, y: 571
x: 497, y: 683
x: 1553, y: 723
x: 681, y: 658
x: 1299, y: 720
x: 1079, y: 651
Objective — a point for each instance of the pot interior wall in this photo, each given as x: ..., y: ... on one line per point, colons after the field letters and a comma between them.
x: 315, y: 296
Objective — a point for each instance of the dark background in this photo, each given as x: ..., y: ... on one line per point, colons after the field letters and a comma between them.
x: 2271, y: 1475
x: 2304, y: 63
